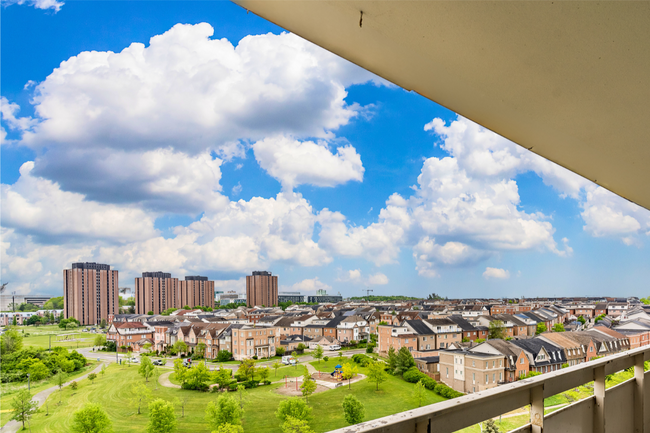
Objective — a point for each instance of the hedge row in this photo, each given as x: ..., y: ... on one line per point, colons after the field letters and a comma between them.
x: 413, y: 375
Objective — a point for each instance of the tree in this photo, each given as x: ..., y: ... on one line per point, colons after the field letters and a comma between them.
x: 558, y: 327
x: 275, y: 367
x: 67, y: 365
x: 229, y: 428
x: 419, y: 392
x: 293, y: 425
x: 392, y: 359
x: 91, y: 419
x: 100, y: 340
x: 318, y: 353
x: 38, y: 371
x: 376, y: 373
x: 180, y: 347
x: 581, y: 320
x: 91, y: 377
x: 59, y: 380
x: 200, y: 349
x: 23, y: 406
x: 103, y: 370
x: 240, y: 392
x: 224, y: 410
x: 497, y: 329
x: 279, y: 351
x: 181, y: 402
x: 198, y: 376
x: 146, y: 368
x: 247, y: 368
x: 349, y: 371
x: 180, y: 371
x: 103, y: 324
x: 404, y: 361
x: 340, y: 356
x: 140, y: 395
x: 301, y: 347
x: 541, y: 327
x: 353, y: 409
x: 308, y: 385
x: 491, y: 427
x: 161, y: 417
x: 264, y: 374
x: 295, y: 408
x: 11, y: 341
x: 222, y: 376
x: 224, y: 356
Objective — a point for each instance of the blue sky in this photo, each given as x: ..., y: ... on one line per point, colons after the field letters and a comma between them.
x: 191, y: 154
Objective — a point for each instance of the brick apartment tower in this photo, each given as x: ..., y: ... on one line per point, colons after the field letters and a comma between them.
x: 90, y: 292
x: 158, y: 291
x: 261, y: 289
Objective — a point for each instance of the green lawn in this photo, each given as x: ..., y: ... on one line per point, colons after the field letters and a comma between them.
x: 9, y: 390
x: 39, y: 336
x: 114, y: 390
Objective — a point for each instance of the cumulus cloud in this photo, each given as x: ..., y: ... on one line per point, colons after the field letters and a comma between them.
x: 39, y: 207
x: 355, y: 276
x: 294, y: 163
x: 606, y: 214
x: 308, y: 285
x: 38, y: 4
x: 192, y: 92
x: 499, y: 274
x: 162, y: 180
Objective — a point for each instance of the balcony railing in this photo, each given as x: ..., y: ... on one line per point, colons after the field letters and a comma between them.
x: 619, y: 409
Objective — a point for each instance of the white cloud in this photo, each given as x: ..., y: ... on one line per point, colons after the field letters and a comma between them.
x: 307, y: 285
x: 38, y: 4
x: 606, y: 214
x: 378, y: 279
x: 294, y: 163
x: 39, y: 207
x: 9, y: 111
x: 162, y: 180
x: 236, y: 190
x: 355, y: 276
x: 192, y: 92
x: 497, y: 273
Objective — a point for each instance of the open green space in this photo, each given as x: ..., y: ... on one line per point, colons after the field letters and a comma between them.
x: 9, y: 390
x: 40, y: 336
x: 115, y: 390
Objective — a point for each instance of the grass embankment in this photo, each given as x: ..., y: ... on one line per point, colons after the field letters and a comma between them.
x: 9, y: 390
x: 39, y: 336
x: 113, y: 392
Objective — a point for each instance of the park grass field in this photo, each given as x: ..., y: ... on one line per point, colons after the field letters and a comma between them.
x: 114, y: 391
x: 39, y: 336
x: 9, y: 390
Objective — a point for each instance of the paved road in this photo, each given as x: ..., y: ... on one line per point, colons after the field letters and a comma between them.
x: 14, y: 426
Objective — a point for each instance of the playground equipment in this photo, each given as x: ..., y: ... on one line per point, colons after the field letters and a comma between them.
x: 338, y: 373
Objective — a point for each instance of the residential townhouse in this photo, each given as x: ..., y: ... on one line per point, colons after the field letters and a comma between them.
x: 446, y: 332
x: 352, y: 328
x: 133, y: 335
x: 470, y: 372
x: 250, y: 340
x: 543, y: 356
x: 572, y: 349
x: 616, y: 309
x: 516, y: 363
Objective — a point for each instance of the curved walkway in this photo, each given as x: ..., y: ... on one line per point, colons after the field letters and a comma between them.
x: 163, y: 379
x: 39, y: 398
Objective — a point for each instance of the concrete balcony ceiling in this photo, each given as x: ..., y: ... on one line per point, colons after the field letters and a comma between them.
x: 568, y: 80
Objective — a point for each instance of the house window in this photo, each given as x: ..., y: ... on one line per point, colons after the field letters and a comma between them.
x: 522, y: 361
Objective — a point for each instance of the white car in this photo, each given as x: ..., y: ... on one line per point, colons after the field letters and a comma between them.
x: 288, y: 360
x: 335, y: 347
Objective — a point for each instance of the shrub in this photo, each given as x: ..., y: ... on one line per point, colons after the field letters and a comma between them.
x: 326, y: 358
x: 251, y: 384
x: 447, y: 392
x: 413, y: 375
x: 255, y: 357
x: 196, y: 386
x: 224, y: 356
x: 267, y: 382
x: 232, y: 387
x: 279, y: 351
x: 240, y: 377
x: 74, y: 385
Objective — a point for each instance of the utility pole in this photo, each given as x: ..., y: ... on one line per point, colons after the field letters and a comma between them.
x: 13, y: 301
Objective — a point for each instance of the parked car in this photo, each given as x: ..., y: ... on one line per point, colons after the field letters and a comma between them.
x: 134, y: 359
x: 158, y: 362
x: 289, y: 360
x: 335, y: 347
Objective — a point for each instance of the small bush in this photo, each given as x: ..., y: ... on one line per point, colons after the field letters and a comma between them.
x: 413, y: 375
x: 279, y: 351
x: 255, y: 357
x: 251, y: 384
x: 198, y: 387
x: 326, y: 358
x: 267, y: 382
x: 232, y: 387
x: 240, y: 377
x: 74, y: 385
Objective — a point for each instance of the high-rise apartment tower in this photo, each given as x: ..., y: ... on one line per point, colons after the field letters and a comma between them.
x: 261, y: 289
x: 158, y: 291
x: 90, y: 292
